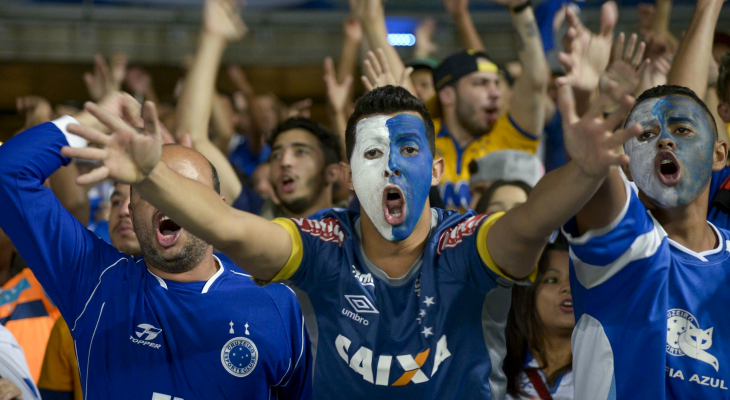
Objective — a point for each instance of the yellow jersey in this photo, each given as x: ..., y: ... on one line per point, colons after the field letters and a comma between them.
x: 454, y: 186
x: 60, y: 372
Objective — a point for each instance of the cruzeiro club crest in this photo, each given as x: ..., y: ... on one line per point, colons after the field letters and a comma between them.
x: 239, y: 356
x: 686, y: 338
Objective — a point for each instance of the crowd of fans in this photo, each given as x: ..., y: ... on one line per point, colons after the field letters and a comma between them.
x: 498, y: 128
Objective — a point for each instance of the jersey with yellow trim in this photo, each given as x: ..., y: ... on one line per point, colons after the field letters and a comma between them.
x: 454, y: 186
x: 435, y: 333
x: 60, y: 373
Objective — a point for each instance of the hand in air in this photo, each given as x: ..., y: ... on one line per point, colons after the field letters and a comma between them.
x: 105, y: 78
x: 587, y: 54
x: 624, y: 74
x: 337, y: 93
x: 129, y: 153
x: 223, y: 17
x: 590, y: 140
x: 377, y: 72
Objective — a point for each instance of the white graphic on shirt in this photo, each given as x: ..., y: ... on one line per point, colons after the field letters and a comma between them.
x: 686, y: 338
x: 365, y: 279
x: 231, y: 331
x: 429, y: 301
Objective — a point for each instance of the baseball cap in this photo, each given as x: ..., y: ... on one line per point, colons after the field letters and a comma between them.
x: 428, y: 63
x: 507, y: 165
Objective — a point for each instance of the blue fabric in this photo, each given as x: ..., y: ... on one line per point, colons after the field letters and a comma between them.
x: 248, y: 201
x: 652, y: 303
x: 366, y: 323
x: 555, y: 155
x: 243, y: 160
x: 717, y: 216
x: 101, y: 230
x: 133, y: 336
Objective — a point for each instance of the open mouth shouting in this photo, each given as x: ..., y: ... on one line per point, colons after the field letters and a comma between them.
x: 567, y: 305
x: 168, y: 232
x: 394, y: 205
x: 667, y: 167
x: 287, y: 184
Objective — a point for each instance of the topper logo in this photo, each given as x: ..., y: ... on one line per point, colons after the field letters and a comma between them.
x: 454, y: 236
x: 327, y: 229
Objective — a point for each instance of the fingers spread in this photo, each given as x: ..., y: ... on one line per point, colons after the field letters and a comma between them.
x: 85, y: 153
x: 90, y: 134
x: 621, y: 136
x: 96, y: 175
x: 617, y: 117
x: 110, y: 121
x: 151, y: 122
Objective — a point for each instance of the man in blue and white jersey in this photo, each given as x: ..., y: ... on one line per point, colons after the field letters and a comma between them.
x: 175, y: 323
x: 409, y: 302
x: 649, y: 272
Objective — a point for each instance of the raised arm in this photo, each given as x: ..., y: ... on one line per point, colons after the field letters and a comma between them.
x: 527, y: 106
x: 130, y: 156
x: 517, y: 239
x: 468, y: 35
x: 692, y: 62
x: 221, y: 24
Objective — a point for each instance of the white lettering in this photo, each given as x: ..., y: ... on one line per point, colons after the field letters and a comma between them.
x: 362, y: 363
x: 355, y: 317
x: 342, y: 344
x: 145, y: 343
x: 694, y: 378
x: 442, y: 353
x: 383, y: 370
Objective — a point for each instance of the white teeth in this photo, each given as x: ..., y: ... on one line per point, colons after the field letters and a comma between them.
x: 666, y: 162
x: 396, y: 214
x: 165, y: 218
x: 394, y: 191
x: 568, y: 303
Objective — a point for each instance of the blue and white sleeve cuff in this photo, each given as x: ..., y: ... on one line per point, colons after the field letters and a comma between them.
x: 73, y: 140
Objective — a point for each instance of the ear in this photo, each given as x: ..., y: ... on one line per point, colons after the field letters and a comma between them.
x: 627, y: 172
x: 723, y: 110
x: 437, y: 171
x: 332, y: 173
x: 346, y: 174
x: 447, y: 95
x: 719, y: 158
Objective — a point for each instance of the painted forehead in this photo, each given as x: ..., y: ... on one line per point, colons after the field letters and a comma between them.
x: 673, y: 106
x: 391, y: 127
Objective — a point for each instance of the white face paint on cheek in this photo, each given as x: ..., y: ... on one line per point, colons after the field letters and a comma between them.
x: 368, y: 176
x: 642, y: 158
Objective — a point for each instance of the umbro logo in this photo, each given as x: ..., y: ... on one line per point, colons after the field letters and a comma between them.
x: 145, y: 333
x: 361, y: 303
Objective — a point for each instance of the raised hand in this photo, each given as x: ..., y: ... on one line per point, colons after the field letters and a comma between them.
x: 337, y: 93
x: 301, y: 108
x: 367, y: 10
x: 590, y: 140
x: 352, y: 29
x: 622, y: 77
x: 138, y: 80
x: 102, y: 80
x: 239, y: 79
x: 129, y: 153
x: 223, y: 18
x: 37, y: 110
x: 377, y: 72
x: 424, y: 38
x: 456, y: 7
x: 587, y: 54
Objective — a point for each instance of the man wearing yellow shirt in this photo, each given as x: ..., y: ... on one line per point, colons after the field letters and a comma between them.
x: 468, y: 100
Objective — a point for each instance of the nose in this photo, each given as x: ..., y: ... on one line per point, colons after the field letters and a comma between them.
x: 287, y: 158
x: 124, y: 209
x: 388, y: 172
x: 565, y: 288
x: 666, y: 144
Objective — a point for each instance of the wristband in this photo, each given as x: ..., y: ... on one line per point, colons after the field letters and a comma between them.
x: 522, y: 7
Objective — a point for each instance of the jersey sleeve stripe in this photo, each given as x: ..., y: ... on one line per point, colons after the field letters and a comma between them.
x: 593, y: 356
x: 297, y: 250
x: 484, y: 250
x: 593, y: 233
x: 590, y: 276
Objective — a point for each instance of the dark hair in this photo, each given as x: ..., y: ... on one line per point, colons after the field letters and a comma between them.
x: 666, y: 90
x: 723, y: 80
x: 524, y: 332
x: 328, y: 141
x: 489, y: 193
x: 387, y: 100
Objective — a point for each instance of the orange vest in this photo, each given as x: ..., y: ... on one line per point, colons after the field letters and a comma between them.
x: 28, y: 313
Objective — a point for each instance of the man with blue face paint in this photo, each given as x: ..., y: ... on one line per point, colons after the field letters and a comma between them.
x: 405, y: 301
x: 648, y: 272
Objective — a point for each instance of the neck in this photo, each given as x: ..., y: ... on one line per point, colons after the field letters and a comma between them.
x: 557, y: 352
x: 457, y: 131
x: 201, y: 272
x: 687, y: 225
x: 322, y: 201
x: 395, y: 258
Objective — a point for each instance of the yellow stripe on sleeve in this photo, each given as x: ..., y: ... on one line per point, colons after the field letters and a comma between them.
x: 484, y: 250
x: 297, y: 250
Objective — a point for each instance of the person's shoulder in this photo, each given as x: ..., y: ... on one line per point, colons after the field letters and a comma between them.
x: 453, y: 226
x: 334, y: 225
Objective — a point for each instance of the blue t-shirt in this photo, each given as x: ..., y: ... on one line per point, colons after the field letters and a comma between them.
x: 718, y: 215
x: 651, y: 314
x: 435, y: 333
x: 138, y: 336
x: 243, y: 160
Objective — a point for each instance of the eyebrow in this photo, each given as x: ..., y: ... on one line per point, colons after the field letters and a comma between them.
x: 681, y: 119
x: 295, y: 145
x: 117, y: 193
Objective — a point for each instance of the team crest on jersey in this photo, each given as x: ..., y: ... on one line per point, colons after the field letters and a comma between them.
x: 327, y: 229
x: 686, y: 338
x: 239, y: 356
x: 456, y: 234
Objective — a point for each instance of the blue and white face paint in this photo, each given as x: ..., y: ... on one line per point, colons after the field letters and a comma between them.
x: 671, y: 176
x: 391, y: 172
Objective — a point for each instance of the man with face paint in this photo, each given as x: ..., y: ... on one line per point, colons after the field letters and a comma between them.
x: 175, y: 322
x: 408, y: 301
x: 649, y: 272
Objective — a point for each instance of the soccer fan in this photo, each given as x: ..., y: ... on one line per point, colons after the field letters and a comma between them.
x: 539, y: 326
x: 177, y: 322
x: 60, y: 373
x: 16, y: 382
x: 468, y: 94
x: 503, y: 196
x: 503, y: 165
x: 404, y: 295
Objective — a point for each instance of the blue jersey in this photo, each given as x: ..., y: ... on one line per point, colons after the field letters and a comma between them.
x: 718, y: 209
x: 651, y: 314
x: 138, y: 336
x: 435, y: 333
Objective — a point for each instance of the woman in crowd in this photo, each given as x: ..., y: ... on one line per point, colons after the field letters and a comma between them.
x: 539, y: 360
x: 503, y: 196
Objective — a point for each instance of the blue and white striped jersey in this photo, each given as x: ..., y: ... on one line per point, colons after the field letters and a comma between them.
x: 651, y: 314
x: 138, y: 336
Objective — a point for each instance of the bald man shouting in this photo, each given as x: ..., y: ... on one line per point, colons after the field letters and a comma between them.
x: 175, y: 323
